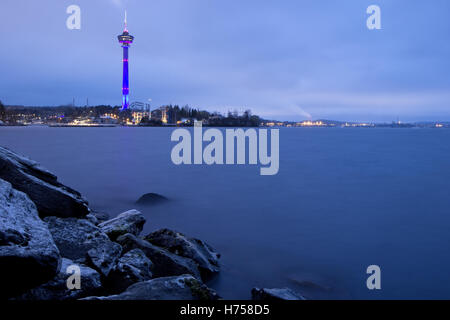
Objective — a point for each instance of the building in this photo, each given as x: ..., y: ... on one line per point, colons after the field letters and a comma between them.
x: 140, y: 110
x: 108, y: 118
x: 138, y: 115
x: 168, y: 115
x: 164, y: 114
x: 125, y: 39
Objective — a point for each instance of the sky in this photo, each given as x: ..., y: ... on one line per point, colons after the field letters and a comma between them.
x: 284, y: 60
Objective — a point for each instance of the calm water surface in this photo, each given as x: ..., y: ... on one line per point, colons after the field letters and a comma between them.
x: 344, y: 199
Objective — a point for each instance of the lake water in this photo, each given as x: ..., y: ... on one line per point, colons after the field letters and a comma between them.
x: 344, y: 199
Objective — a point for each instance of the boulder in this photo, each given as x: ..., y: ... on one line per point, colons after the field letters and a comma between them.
x: 131, y: 221
x: 275, y: 294
x: 104, y: 257
x: 28, y: 254
x: 184, y: 287
x: 92, y: 219
x: 57, y: 289
x: 83, y: 242
x: 151, y: 199
x: 132, y: 267
x: 200, y: 252
x: 100, y: 215
x: 164, y: 262
x: 51, y: 197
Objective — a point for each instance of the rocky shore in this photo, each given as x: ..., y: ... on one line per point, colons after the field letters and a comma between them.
x: 54, y: 247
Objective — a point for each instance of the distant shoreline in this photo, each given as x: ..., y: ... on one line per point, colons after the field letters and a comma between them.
x: 276, y: 127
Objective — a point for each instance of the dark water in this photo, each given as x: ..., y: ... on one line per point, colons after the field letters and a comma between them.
x: 344, y: 199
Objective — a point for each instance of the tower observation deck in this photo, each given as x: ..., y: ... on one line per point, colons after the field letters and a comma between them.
x: 125, y: 39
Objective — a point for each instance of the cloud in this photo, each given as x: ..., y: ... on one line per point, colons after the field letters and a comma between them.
x: 376, y: 99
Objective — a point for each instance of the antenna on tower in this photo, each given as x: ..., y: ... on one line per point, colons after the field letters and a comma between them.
x: 126, y: 21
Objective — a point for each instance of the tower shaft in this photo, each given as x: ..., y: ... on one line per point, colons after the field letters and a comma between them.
x: 125, y: 81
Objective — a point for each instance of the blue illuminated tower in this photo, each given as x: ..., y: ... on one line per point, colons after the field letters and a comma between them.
x: 125, y: 39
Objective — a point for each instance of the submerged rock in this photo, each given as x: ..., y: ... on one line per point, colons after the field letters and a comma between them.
x: 200, y: 252
x: 56, y: 289
x: 51, y: 197
x: 83, y: 242
x: 165, y: 263
x: 28, y: 254
x: 275, y: 294
x: 184, y: 287
x: 151, y: 199
x: 132, y: 267
x: 131, y: 221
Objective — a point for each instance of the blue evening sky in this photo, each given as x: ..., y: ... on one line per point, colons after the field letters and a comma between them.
x: 285, y: 59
